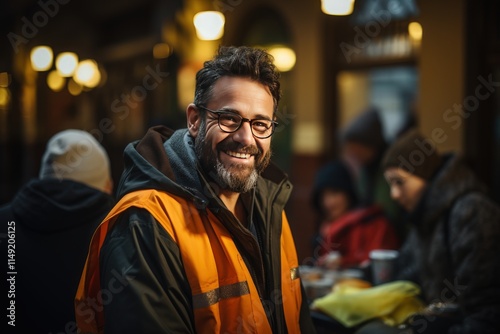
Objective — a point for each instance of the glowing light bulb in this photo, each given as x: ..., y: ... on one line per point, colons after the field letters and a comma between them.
x: 66, y: 63
x: 337, y: 7
x: 284, y: 57
x: 87, y: 73
x: 55, y: 81
x: 209, y: 25
x: 41, y: 58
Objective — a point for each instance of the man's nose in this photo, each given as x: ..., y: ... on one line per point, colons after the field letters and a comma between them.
x: 244, y: 134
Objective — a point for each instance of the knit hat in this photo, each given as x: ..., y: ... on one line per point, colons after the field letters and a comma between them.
x: 415, y: 154
x: 76, y: 155
x: 336, y: 176
x: 366, y: 129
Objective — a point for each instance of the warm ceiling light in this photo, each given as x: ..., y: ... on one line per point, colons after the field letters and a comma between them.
x: 415, y: 30
x: 41, y: 58
x: 209, y: 25
x: 87, y: 73
x: 337, y: 7
x: 55, y: 81
x: 284, y: 57
x: 66, y: 63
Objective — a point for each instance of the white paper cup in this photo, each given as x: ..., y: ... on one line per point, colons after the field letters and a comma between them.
x: 319, y: 288
x: 383, y: 263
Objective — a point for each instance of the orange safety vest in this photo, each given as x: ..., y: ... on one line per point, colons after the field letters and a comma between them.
x: 225, y: 299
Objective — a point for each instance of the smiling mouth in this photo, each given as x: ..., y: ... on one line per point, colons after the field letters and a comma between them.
x: 238, y: 155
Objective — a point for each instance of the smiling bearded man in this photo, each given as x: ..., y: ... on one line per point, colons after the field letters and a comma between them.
x: 199, y: 242
x: 236, y: 177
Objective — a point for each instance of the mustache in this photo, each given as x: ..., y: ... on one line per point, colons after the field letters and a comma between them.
x: 235, y: 147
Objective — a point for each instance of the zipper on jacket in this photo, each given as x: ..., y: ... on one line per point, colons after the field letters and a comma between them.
x: 266, y: 298
x: 225, y: 217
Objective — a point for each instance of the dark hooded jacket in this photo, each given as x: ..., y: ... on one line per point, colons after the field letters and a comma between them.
x: 367, y: 130
x: 50, y: 223
x: 453, y: 250
x: 158, y: 299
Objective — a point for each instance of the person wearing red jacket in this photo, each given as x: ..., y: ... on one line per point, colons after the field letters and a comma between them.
x: 346, y: 228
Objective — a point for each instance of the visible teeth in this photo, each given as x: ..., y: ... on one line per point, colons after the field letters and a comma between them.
x: 238, y: 155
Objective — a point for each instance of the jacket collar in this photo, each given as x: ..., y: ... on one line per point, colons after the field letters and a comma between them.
x: 451, y: 181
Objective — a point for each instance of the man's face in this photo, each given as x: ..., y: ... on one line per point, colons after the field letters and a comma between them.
x: 406, y: 188
x: 234, y: 160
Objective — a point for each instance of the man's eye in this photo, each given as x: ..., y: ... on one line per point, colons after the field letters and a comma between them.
x: 229, y: 118
x: 261, y: 124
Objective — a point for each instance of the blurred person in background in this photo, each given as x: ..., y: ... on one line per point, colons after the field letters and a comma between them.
x: 363, y: 145
x: 453, y: 247
x: 53, y: 218
x: 200, y: 235
x: 346, y: 228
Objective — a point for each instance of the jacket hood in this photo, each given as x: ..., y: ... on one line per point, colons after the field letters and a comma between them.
x: 165, y: 160
x: 161, y: 160
x: 49, y: 205
x: 366, y: 129
x: 452, y: 180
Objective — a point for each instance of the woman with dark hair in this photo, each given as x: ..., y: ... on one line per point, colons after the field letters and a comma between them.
x: 452, y: 249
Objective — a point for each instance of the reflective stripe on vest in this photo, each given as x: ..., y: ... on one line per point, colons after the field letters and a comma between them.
x: 211, y: 297
x: 224, y: 295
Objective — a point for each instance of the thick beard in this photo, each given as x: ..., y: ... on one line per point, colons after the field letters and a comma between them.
x: 228, y: 178
x: 229, y: 181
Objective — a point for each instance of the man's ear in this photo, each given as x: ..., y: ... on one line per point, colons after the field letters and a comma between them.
x: 193, y: 119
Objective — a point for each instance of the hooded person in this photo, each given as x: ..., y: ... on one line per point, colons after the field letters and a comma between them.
x: 367, y: 130
x: 51, y: 221
x: 452, y: 248
x: 363, y: 146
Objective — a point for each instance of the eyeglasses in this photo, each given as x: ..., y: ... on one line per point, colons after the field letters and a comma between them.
x: 230, y: 122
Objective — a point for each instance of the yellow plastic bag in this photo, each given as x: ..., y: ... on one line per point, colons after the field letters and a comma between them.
x: 392, y: 302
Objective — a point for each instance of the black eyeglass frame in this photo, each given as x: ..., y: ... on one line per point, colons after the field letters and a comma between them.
x: 274, y: 124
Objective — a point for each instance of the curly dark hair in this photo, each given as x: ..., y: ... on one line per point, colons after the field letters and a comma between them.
x: 242, y: 61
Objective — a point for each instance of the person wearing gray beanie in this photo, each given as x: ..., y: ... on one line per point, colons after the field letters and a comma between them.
x: 77, y: 155
x: 54, y: 217
x: 452, y: 247
x: 363, y: 146
x: 367, y: 130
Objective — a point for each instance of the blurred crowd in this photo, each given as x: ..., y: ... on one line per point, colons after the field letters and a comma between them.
x: 427, y: 206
